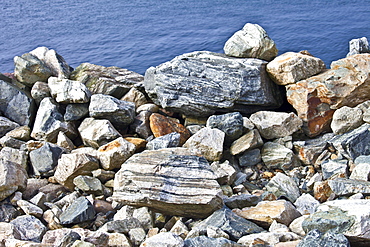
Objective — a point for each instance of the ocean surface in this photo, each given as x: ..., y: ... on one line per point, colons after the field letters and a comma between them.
x: 137, y: 34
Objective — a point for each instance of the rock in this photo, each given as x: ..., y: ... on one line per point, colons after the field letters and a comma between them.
x: 358, y: 46
x: 171, y: 180
x: 79, y: 243
x: 118, y: 239
x: 137, y: 236
x: 230, y: 123
x: 8, y: 213
x: 250, y: 158
x: 153, y: 108
x: 333, y: 167
x: 296, y: 225
x: 225, y: 173
x: 67, y: 91
x: 30, y: 209
x: 248, y: 141
x: 271, y: 238
x: 292, y: 67
x: 161, y: 125
x: 362, y: 169
x: 167, y: 239
x: 66, y: 237
x: 136, y: 97
x: 316, y: 98
x: 88, y: 184
x: 6, y: 125
x: 114, y: 153
x: 79, y: 211
x: 272, y: 125
x: 8, y: 231
x: 39, y: 91
x: 347, y: 187
x: 13, y: 177
x: 141, y: 124
x: 241, y: 201
x: 144, y: 215
x: 22, y: 133
x: 33, y: 186
x: 103, y: 175
x: 112, y: 81
x: 76, y: 112
x: 209, y: 241
x: 209, y: 142
x: 201, y: 83
x: 276, y: 156
x: 30, y: 69
x: 45, y: 159
x: 251, y: 41
x: 329, y: 239
x: 29, y: 227
x: 180, y: 229
x: 121, y: 226
x: 346, y: 119
x: 64, y: 142
x: 49, y: 122
x: 72, y: 165
x: 167, y: 141
x: 265, y: 212
x: 215, y: 232
x: 282, y: 185
x: 7, y: 141
x: 119, y: 113
x: 97, y: 132
x: 16, y: 104
x: 306, y: 204
x: 139, y: 143
x: 14, y: 155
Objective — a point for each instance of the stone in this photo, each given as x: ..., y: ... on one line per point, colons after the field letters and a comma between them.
x: 250, y: 158
x: 88, y: 184
x: 241, y: 201
x: 119, y: 113
x: 79, y: 211
x: 76, y: 111
x: 291, y: 67
x: 248, y: 141
x: 11, y: 142
x: 270, y: 238
x: 49, y: 122
x: 358, y: 46
x: 141, y: 124
x: 22, y: 133
x: 161, y: 125
x: 225, y: 173
x: 64, y: 142
x: 347, y: 187
x: 39, y: 199
x: 180, y: 229
x: 135, y: 96
x: 167, y: 141
x: 272, y: 125
x: 209, y: 241
x: 72, y: 165
x: 118, y: 239
x: 139, y: 143
x: 282, y: 185
x: 45, y: 159
x: 8, y: 213
x: 114, y: 153
x: 296, y: 225
x: 6, y: 125
x: 316, y: 98
x: 322, y: 191
x: 251, y: 41
x: 97, y: 132
x: 306, y: 204
x: 332, y: 167
x: 276, y: 156
x: 12, y: 179
x: 173, y: 180
x: 215, y: 232
x: 209, y: 142
x: 103, y: 175
x: 144, y: 215
x: 265, y: 212
x: 329, y: 239
x: 362, y: 169
x: 67, y: 91
x: 202, y: 83
x: 33, y: 186
x: 112, y: 81
x: 14, y: 155
x: 8, y: 231
x: 346, y: 119
x: 29, y: 69
x: 230, y: 123
x: 150, y: 107
x: 30, y: 209
x: 79, y: 243
x: 167, y: 239
x: 65, y: 236
x: 39, y: 91
x: 29, y: 227
x: 137, y: 236
x: 121, y: 226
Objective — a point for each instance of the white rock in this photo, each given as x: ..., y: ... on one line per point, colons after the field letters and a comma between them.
x: 346, y: 119
x: 68, y: 91
x: 164, y: 239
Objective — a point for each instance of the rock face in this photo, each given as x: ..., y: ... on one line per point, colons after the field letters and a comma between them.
x: 201, y: 83
x: 172, y: 180
x: 316, y: 98
x: 292, y: 67
x: 251, y: 41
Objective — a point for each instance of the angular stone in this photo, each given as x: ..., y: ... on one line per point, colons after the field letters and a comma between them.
x: 97, y: 132
x: 316, y: 98
x: 30, y: 209
x: 166, y: 141
x: 39, y: 91
x: 248, y: 141
x: 292, y: 67
x: 329, y: 239
x: 29, y: 227
x: 171, y: 180
x: 209, y: 142
x: 121, y: 226
x: 180, y: 229
x: 282, y: 185
x: 72, y: 165
x: 167, y: 239
x: 139, y: 143
x: 45, y: 159
x: 7, y: 141
x: 251, y: 41
x: 201, y: 83
x: 230, y: 123
x: 13, y: 177
x: 209, y: 241
x: 333, y: 167
x: 306, y: 204
x: 346, y: 119
x: 347, y: 187
x: 358, y: 46
x: 112, y: 81
x: 6, y: 125
x: 137, y: 236
x: 21, y: 133
x: 80, y: 210
x: 14, y: 155
x: 273, y: 125
x: 250, y: 158
x: 8, y: 213
x: 241, y: 201
x: 88, y: 184
x: 276, y: 156
x: 66, y: 236
x: 64, y: 142
x: 270, y: 238
x: 30, y: 69
x: 141, y: 124
x: 67, y: 91
x: 362, y: 169
x: 161, y: 125
x: 114, y: 153
x: 76, y: 112
x: 145, y: 216
x: 296, y: 225
x: 135, y: 96
x: 118, y: 239
x: 8, y: 231
x: 225, y: 173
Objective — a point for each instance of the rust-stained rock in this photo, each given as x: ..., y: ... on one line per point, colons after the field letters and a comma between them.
x: 139, y: 143
x: 322, y: 191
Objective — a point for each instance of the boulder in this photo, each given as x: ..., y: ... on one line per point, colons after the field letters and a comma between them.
x: 8, y: 231
x: 248, y: 141
x: 167, y: 141
x: 21, y: 133
x: 30, y: 209
x: 39, y: 91
x: 29, y: 227
x: 15, y: 155
x: 202, y: 83
x: 135, y: 96
x: 276, y: 156
x: 67, y: 91
x: 30, y: 69
x: 225, y: 173
x: 79, y: 211
x: 251, y: 41
x: 334, y: 167
x: 282, y: 185
x: 250, y: 158
x: 362, y: 169
x: 121, y: 226
x: 315, y: 238
x: 348, y: 187
x: 112, y: 81
x: 173, y: 180
x: 241, y: 201
x: 76, y: 112
x: 45, y: 159
x: 88, y: 185
x: 346, y: 119
x: 7, y: 141
x: 306, y: 204
x: 13, y: 177
x: 358, y: 46
x: 316, y: 98
x: 230, y: 123
x: 292, y: 67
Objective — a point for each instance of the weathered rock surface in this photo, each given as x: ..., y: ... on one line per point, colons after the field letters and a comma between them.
x: 67, y: 91
x: 347, y: 187
x: 251, y: 41
x: 6, y: 125
x: 306, y: 204
x: 224, y: 172
x: 201, y: 83
x: 346, y: 119
x: 88, y: 185
x: 282, y: 185
x: 30, y: 69
x: 167, y: 239
x: 362, y: 169
x: 135, y: 96
x: 334, y: 167
x: 173, y: 181
x: 230, y: 123
x: 358, y: 46
x: 79, y: 211
x: 270, y: 238
x: 248, y: 141
x: 292, y: 67
x: 141, y: 124
x: 277, y: 156
x: 208, y: 241
x: 13, y: 177
x: 241, y: 201
x: 167, y: 141
x: 329, y: 239
x: 29, y: 227
x: 250, y: 158
x: 39, y: 91
x: 76, y: 112
x: 45, y: 159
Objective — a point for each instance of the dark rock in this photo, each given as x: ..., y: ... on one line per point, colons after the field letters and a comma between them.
x: 30, y: 228
x: 230, y: 123
x: 45, y: 159
x: 8, y: 213
x: 250, y: 158
x: 329, y: 239
x: 203, y: 241
x: 141, y: 124
x: 241, y: 201
x: 6, y: 125
x: 121, y: 226
x: 79, y: 211
x: 166, y: 141
x: 76, y: 112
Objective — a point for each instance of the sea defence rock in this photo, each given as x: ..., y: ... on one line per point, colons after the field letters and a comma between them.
x: 251, y: 41
x: 174, y: 181
x: 68, y: 91
x: 202, y: 83
x: 29, y: 69
x: 358, y: 46
x: 347, y: 83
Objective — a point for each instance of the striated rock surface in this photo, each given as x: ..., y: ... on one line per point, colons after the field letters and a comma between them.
x: 276, y: 156
x: 174, y: 181
x: 79, y: 211
x: 201, y: 83
x: 230, y: 123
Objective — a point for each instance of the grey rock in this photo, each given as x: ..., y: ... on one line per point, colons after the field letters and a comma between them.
x: 225, y: 173
x: 6, y: 125
x: 79, y: 243
x: 251, y: 41
x: 7, y: 141
x: 79, y: 211
x: 148, y: 107
x: 141, y: 124
x: 39, y: 91
x: 346, y: 119
x: 8, y: 213
x: 248, y: 141
x: 201, y: 83
x: 14, y: 155
x: 241, y: 201
x: 13, y: 177
x: 184, y: 183
x: 332, y: 167
x: 21, y: 133
x: 329, y: 239
x: 167, y: 239
x: 67, y: 91
x: 358, y: 46
x: 8, y: 231
x: 296, y: 225
x: 30, y: 209
x: 118, y: 239
x: 29, y: 227
x: 282, y: 185
x: 30, y: 69
x: 203, y: 241
x: 64, y: 142
x: 240, y: 178
x: 230, y: 123
x: 348, y: 187
x: 180, y: 229
x: 103, y: 175
x: 276, y: 156
x: 76, y: 112
x: 267, y: 238
x: 137, y: 236
x: 250, y: 158
x: 144, y: 215
x: 45, y: 159
x: 88, y: 184
x: 362, y: 169
x: 306, y: 204
x: 121, y: 226
x: 166, y: 141
x: 97, y: 132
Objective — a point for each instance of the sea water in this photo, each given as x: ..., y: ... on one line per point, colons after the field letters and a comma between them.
x: 137, y: 34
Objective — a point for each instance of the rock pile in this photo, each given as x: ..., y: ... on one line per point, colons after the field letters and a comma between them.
x: 201, y: 151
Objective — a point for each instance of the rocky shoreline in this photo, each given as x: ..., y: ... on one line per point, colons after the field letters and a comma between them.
x: 245, y: 148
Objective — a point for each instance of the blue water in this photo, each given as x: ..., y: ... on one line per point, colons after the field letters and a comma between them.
x: 138, y: 34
